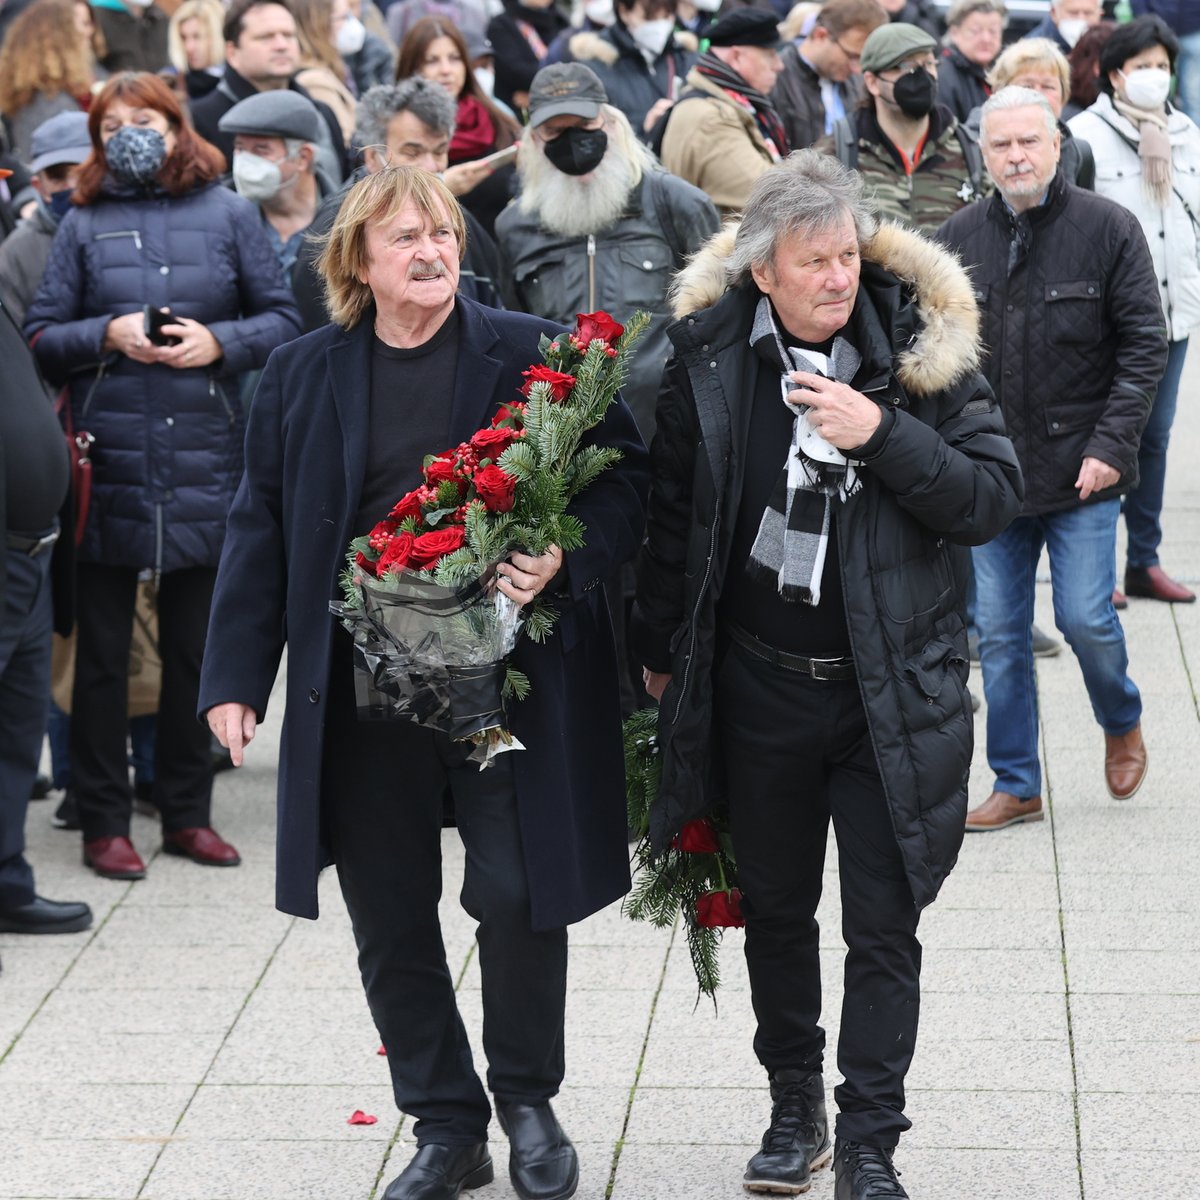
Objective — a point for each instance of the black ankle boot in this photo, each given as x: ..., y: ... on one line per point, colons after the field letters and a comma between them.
x: 542, y: 1163
x: 439, y: 1172
x: 797, y: 1141
x: 865, y: 1173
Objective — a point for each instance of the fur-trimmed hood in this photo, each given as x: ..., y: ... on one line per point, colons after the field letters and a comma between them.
x: 587, y: 47
x: 947, y: 344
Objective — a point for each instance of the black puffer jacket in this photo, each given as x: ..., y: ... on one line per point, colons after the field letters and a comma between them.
x: 938, y: 475
x: 1075, y: 330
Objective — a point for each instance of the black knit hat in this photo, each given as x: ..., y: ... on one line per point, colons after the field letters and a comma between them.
x: 746, y: 27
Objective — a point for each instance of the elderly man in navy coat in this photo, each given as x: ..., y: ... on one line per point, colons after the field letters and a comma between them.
x: 337, y: 432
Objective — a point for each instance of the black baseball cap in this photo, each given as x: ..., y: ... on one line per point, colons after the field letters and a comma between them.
x: 565, y: 89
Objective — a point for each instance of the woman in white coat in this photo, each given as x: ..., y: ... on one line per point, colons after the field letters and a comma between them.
x: 1148, y: 160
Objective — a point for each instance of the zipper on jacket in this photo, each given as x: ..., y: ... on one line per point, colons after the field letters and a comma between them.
x: 87, y: 400
x: 687, y: 670
x: 133, y: 233
x: 215, y: 389
x: 158, y: 543
x: 591, y: 253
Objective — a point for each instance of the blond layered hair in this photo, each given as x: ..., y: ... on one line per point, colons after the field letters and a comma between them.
x: 43, y: 52
x: 1031, y: 54
x: 211, y: 16
x: 374, y: 201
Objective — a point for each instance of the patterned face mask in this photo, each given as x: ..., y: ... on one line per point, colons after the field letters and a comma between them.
x: 135, y: 154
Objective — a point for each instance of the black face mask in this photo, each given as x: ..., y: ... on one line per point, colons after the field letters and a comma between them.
x: 577, y: 151
x: 915, y: 92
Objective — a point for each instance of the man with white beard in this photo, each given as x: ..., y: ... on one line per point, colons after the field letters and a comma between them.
x: 598, y: 225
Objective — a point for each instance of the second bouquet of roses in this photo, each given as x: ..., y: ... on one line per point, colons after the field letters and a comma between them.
x: 432, y: 632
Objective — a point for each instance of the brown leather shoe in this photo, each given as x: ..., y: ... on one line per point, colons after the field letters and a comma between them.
x: 113, y: 858
x: 1126, y: 761
x: 1153, y: 583
x: 202, y: 845
x: 1120, y: 600
x: 1002, y: 809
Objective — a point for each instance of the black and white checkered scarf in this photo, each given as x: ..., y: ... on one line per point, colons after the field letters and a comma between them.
x: 793, y: 536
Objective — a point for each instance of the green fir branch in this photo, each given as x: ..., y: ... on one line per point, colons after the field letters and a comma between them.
x: 516, y: 683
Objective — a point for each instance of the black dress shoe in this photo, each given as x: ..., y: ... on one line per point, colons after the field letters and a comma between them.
x: 865, y: 1173
x: 441, y: 1172
x: 797, y: 1140
x: 542, y: 1163
x: 46, y: 916
x: 66, y: 815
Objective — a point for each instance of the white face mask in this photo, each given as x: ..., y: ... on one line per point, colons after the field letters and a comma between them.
x: 1147, y: 89
x: 1072, y: 29
x: 599, y: 12
x: 708, y: 6
x: 351, y: 36
x: 486, y: 78
x: 140, y: 3
x: 653, y: 36
x: 256, y: 178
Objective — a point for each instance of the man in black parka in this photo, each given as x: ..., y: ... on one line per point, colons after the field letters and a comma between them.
x: 800, y: 613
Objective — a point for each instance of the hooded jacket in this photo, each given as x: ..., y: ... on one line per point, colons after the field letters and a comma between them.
x: 1074, y: 330
x: 168, y: 451
x: 633, y: 85
x: 938, y: 475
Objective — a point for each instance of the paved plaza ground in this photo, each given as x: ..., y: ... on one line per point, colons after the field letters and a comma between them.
x: 198, y: 1045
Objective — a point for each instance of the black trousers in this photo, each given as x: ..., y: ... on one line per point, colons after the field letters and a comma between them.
x: 100, y: 700
x: 26, y: 617
x: 383, y: 785
x: 798, y: 752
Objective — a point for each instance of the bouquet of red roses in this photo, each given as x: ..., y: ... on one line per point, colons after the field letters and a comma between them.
x: 431, y: 630
x: 695, y: 875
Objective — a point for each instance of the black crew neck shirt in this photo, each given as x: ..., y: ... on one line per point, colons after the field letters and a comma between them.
x: 814, y: 631
x: 411, y: 393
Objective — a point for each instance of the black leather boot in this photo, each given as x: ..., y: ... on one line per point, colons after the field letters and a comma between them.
x: 439, y: 1172
x: 865, y: 1173
x: 797, y: 1140
x: 542, y: 1163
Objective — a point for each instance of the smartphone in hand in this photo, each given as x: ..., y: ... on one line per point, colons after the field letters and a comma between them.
x: 500, y: 158
x: 155, y: 319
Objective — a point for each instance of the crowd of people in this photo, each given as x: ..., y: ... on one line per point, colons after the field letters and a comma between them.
x: 946, y: 275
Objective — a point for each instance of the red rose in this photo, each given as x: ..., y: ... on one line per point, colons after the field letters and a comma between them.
x: 491, y: 443
x: 439, y: 470
x: 430, y: 547
x: 696, y: 837
x: 407, y: 506
x: 397, y: 556
x: 364, y: 564
x: 720, y: 910
x: 510, y: 415
x: 589, y: 326
x: 496, y: 488
x: 560, y: 383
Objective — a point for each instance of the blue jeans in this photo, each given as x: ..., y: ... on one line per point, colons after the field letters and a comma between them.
x: 1082, y: 546
x: 1143, y: 505
x: 1187, y: 72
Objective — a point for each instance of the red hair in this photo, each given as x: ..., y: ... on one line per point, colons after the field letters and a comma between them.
x: 192, y: 162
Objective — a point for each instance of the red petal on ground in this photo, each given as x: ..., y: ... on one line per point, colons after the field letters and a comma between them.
x: 358, y: 1117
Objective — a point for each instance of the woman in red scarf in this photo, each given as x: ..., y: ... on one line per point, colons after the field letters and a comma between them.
x: 436, y: 50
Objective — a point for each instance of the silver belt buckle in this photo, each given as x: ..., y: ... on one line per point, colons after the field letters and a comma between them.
x: 43, y: 543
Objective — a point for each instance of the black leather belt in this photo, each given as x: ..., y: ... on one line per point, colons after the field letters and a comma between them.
x: 827, y: 670
x: 33, y: 546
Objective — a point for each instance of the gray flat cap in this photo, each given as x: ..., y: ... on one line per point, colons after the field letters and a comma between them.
x: 62, y: 139
x: 273, y: 114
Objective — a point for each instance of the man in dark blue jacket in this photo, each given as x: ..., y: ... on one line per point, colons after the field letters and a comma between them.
x: 1184, y: 19
x: 337, y: 433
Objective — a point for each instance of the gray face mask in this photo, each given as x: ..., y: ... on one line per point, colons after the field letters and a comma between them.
x: 257, y: 178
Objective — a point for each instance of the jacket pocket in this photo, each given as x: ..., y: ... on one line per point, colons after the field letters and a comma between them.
x: 1073, y: 311
x: 937, y: 676
x: 1063, y: 420
x: 541, y: 284
x: 644, y: 274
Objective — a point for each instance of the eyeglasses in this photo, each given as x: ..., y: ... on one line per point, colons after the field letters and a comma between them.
x: 838, y: 43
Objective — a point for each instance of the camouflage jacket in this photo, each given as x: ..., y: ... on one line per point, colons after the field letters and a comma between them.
x: 941, y: 182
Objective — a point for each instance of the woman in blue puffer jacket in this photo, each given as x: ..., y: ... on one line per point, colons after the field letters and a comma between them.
x: 153, y: 226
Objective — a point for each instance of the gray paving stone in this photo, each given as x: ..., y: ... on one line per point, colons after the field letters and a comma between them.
x: 1120, y: 1175
x: 117, y: 966
x: 698, y: 1172
x: 1138, y: 1067
x: 989, y: 1174
x: 992, y: 1016
x: 996, y: 1065
x: 249, y: 1113
x: 1124, y: 892
x: 40, y: 963
x: 1130, y: 931
x: 1024, y: 971
x: 701, y: 1062
x: 1012, y: 892
x: 1147, y: 1122
x: 56, y: 1055
x: 142, y: 1010
x: 713, y: 1116
x: 1133, y: 1017
x: 1169, y: 971
x: 74, y: 1109
x: 989, y: 1120
x: 80, y: 1168
x: 196, y: 925
x: 972, y: 929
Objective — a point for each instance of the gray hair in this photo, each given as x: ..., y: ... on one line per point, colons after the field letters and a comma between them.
x: 429, y: 102
x: 960, y: 10
x: 1017, y: 97
x: 808, y: 192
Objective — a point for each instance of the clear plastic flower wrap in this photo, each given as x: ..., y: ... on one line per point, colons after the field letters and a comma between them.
x: 434, y: 655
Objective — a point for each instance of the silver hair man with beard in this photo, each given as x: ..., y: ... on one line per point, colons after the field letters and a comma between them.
x: 598, y: 224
